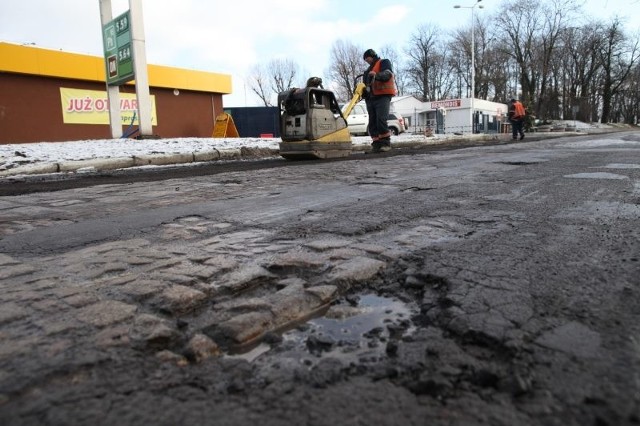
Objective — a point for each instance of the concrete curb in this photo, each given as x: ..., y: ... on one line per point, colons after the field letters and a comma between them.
x: 162, y: 159
x: 136, y: 161
x: 206, y: 156
x: 32, y: 169
x: 232, y: 154
x: 96, y: 163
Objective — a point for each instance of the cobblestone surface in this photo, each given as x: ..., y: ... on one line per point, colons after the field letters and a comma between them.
x: 187, y: 271
x: 235, y: 285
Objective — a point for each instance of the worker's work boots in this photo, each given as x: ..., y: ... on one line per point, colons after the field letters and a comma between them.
x: 381, y: 145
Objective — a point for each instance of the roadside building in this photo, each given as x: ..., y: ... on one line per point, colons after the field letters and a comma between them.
x: 454, y: 116
x: 451, y: 115
x: 50, y: 95
x: 409, y: 107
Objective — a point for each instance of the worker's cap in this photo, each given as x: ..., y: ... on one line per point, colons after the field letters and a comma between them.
x: 370, y: 53
x: 513, y: 100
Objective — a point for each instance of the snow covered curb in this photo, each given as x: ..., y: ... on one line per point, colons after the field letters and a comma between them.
x: 138, y: 161
x: 108, y: 154
x: 238, y: 153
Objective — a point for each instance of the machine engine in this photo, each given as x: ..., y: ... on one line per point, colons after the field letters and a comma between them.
x: 312, y: 125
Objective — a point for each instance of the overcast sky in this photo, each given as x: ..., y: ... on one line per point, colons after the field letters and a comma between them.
x: 230, y: 37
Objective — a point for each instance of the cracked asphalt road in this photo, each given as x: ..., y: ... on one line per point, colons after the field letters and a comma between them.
x: 487, y: 285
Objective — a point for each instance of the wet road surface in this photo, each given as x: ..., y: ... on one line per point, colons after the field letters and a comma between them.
x: 488, y: 285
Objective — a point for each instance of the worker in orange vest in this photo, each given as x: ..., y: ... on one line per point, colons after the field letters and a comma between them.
x: 516, y: 116
x: 381, y: 87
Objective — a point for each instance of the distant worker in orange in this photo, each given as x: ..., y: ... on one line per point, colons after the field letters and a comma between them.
x: 381, y: 87
x: 516, y: 116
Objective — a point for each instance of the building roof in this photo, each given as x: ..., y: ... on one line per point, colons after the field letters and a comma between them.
x: 403, y: 97
x: 15, y: 58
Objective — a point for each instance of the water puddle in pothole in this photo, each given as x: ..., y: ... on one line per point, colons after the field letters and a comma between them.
x: 364, y: 329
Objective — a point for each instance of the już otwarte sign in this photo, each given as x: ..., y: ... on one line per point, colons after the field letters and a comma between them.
x: 92, y: 107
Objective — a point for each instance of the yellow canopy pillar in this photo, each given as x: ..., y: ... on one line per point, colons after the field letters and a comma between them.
x: 225, y: 127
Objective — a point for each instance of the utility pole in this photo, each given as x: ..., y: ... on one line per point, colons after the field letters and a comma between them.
x: 473, y: 56
x: 125, y: 60
x: 113, y: 92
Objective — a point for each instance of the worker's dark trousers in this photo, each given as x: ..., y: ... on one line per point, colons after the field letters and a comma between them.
x: 378, y: 110
x: 517, y: 128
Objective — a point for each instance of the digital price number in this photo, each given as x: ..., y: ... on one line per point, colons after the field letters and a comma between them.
x: 124, y: 54
x: 122, y: 23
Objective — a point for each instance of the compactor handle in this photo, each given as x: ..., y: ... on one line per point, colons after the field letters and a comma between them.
x: 357, y: 96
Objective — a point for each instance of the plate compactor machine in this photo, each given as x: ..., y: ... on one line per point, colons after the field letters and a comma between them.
x: 312, y: 126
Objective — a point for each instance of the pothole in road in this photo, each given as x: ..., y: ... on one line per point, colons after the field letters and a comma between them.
x: 362, y: 330
x: 518, y: 163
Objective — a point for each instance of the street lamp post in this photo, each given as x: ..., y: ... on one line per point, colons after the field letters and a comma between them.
x: 473, y: 53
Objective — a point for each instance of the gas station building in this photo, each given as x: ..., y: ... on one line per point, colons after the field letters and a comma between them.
x: 49, y: 95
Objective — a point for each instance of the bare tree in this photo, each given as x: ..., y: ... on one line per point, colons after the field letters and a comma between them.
x: 424, y: 56
x: 259, y: 84
x: 555, y: 17
x: 347, y: 65
x: 533, y: 50
x: 485, y: 62
x: 627, y: 100
x: 580, y: 67
x: 618, y: 56
x: 533, y: 29
x: 493, y: 71
x: 266, y: 81
x: 490, y: 77
x: 518, y: 22
x: 459, y: 64
x: 283, y: 73
x: 441, y: 79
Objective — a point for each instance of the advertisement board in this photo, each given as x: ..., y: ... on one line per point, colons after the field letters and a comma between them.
x: 81, y: 106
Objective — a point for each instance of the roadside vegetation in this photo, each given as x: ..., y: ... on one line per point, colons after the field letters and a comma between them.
x: 559, y: 62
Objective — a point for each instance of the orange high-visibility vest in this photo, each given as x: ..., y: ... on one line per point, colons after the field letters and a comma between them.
x: 518, y: 110
x: 383, y: 87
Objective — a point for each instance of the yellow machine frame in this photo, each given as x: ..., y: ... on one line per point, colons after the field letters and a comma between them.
x: 312, y: 126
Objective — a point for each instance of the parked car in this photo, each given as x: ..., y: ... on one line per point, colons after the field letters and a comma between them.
x: 396, y: 124
x: 359, y: 119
